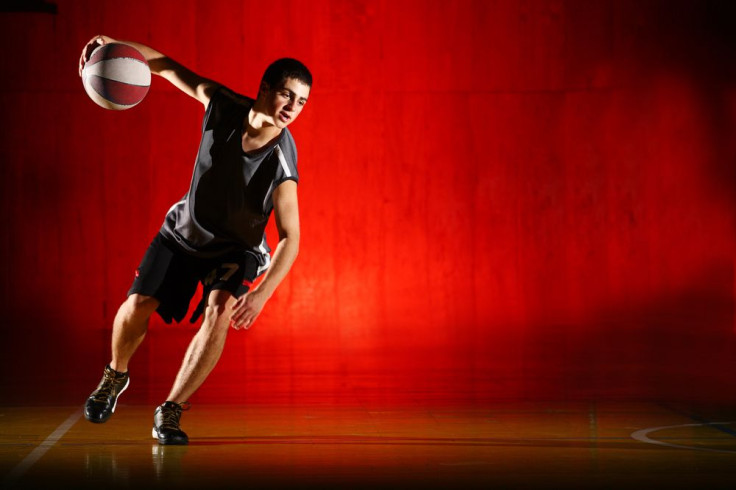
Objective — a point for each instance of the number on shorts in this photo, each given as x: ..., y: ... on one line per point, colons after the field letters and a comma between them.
x: 231, y: 269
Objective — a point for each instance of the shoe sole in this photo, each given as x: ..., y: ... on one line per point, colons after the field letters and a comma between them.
x: 114, y: 405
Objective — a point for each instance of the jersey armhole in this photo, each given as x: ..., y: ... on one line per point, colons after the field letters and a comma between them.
x: 277, y: 183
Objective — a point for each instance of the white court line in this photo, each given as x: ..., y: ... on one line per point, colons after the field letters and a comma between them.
x: 643, y: 436
x: 41, y: 449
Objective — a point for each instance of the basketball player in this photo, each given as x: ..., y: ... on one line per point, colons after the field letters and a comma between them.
x: 245, y: 168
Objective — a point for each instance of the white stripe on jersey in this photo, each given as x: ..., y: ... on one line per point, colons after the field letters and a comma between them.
x: 268, y: 196
x: 284, y: 166
x: 266, y: 257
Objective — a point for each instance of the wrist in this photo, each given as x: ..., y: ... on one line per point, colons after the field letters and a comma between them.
x: 264, y: 291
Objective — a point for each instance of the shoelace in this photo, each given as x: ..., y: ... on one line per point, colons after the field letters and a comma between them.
x: 171, y: 416
x: 104, y: 392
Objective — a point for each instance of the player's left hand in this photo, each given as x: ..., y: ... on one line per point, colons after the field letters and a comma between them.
x: 246, y: 309
x: 93, y: 44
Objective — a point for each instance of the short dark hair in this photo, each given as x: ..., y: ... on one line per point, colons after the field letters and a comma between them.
x: 280, y: 70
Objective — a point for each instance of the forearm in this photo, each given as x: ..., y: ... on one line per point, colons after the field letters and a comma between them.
x: 178, y: 75
x: 153, y: 57
x: 283, y: 258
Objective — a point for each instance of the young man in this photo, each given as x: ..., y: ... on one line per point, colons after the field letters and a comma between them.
x: 245, y: 168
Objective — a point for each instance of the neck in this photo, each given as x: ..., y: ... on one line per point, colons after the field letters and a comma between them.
x: 258, y: 131
x: 259, y: 125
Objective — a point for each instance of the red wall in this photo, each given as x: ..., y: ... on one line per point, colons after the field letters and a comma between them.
x: 499, y: 199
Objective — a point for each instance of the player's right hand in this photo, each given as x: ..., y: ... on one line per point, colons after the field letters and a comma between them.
x: 93, y: 44
x: 247, y: 308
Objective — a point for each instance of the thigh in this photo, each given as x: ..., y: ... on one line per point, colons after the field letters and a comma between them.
x: 233, y: 272
x: 168, y: 275
x: 140, y: 305
x: 219, y: 307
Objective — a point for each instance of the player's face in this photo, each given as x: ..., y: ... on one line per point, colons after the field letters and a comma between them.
x: 285, y: 103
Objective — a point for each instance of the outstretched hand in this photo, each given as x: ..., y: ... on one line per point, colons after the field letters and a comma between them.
x: 246, y: 309
x: 93, y: 44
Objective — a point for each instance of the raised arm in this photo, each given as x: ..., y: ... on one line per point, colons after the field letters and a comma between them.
x: 180, y: 76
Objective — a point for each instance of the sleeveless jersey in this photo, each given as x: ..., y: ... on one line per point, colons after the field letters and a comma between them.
x: 230, y: 196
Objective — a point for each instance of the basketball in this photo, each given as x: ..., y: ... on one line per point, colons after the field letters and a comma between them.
x: 116, y: 76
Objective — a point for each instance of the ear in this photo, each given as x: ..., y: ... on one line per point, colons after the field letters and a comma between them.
x: 264, y: 88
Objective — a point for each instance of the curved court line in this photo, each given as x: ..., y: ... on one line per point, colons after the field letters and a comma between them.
x: 643, y: 436
x: 41, y: 449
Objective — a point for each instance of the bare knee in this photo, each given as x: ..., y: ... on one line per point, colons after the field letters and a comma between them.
x: 217, y: 313
x: 216, y: 317
x: 138, y: 307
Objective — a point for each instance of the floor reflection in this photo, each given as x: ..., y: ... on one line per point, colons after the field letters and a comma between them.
x: 167, y: 460
x: 141, y: 465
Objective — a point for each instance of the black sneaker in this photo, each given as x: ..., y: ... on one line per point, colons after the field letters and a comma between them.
x: 166, y: 423
x: 102, y: 402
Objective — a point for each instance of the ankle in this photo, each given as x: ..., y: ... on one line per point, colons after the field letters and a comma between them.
x: 184, y: 405
x: 119, y: 369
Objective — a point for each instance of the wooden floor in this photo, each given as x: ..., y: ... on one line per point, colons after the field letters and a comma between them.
x: 498, y: 445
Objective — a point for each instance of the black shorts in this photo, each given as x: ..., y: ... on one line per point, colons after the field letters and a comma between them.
x: 171, y: 275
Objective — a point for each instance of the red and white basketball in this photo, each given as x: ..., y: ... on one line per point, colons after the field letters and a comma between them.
x: 116, y: 76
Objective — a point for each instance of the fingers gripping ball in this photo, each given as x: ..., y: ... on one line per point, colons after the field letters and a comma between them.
x: 116, y: 76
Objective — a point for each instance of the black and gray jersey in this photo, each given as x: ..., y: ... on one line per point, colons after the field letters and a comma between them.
x: 230, y: 197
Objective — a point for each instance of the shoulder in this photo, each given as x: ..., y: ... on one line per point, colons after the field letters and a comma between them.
x: 287, y: 145
x: 224, y: 98
x: 226, y: 104
x: 228, y: 95
x: 285, y: 151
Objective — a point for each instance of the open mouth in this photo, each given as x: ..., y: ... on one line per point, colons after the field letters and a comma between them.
x: 284, y: 117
